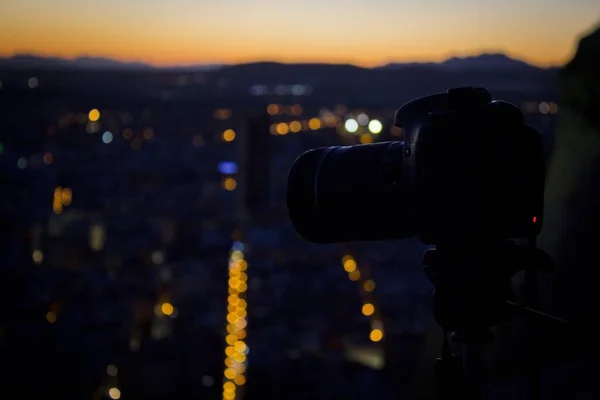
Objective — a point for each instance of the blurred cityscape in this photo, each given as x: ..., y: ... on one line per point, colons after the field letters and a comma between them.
x: 146, y: 252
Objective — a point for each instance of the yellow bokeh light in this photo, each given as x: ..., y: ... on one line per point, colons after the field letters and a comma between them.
x: 240, y: 368
x: 233, y: 299
x: 376, y: 335
x: 37, y: 256
x: 295, y: 126
x: 231, y: 339
x: 243, y: 286
x: 240, y: 346
x: 282, y: 128
x: 229, y: 361
x: 51, y: 317
x: 241, y: 334
x: 232, y: 318
x: 228, y: 135
x: 228, y: 395
x: 229, y: 387
x: 230, y: 373
x: 314, y: 124
x: 354, y: 275
x: 241, y: 323
x: 237, y: 255
x: 365, y: 138
x: 240, y: 357
x: 240, y: 380
x: 230, y: 184
x: 346, y: 258
x: 114, y: 393
x: 167, y: 308
x: 66, y: 196
x: 368, y: 309
x: 94, y: 115
x: 369, y: 285
x: 241, y: 313
x: 57, y: 204
x: 230, y: 351
x: 349, y: 265
x: 243, y: 265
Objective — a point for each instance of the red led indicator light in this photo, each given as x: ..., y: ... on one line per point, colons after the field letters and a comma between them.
x: 534, y: 220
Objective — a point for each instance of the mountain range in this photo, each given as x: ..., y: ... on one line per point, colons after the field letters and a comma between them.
x: 482, y: 61
x: 485, y: 61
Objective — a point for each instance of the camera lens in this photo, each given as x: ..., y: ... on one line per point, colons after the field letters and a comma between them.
x: 349, y: 193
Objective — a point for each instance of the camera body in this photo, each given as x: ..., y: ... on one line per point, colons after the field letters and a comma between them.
x: 475, y: 168
x: 469, y: 169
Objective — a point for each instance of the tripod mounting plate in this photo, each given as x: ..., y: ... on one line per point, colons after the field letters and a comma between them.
x: 473, y: 282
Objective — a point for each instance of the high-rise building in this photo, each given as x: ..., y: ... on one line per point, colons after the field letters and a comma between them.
x: 254, y: 171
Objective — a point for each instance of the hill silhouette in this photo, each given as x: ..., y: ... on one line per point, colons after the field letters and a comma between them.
x: 485, y: 61
x: 329, y: 83
x: 33, y: 61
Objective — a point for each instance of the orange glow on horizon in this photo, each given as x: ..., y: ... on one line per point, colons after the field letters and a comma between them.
x: 366, y: 61
x: 235, y: 31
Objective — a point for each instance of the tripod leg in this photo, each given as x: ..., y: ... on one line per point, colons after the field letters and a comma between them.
x: 531, y: 291
x: 533, y: 387
x: 449, y: 380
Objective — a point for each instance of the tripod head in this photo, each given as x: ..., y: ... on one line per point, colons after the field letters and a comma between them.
x: 472, y: 283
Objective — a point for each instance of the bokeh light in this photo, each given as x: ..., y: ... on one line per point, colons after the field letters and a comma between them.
x: 114, y: 393
x: 375, y: 126
x: 295, y: 126
x: 351, y: 125
x: 107, y: 137
x: 282, y: 128
x: 94, y: 115
x: 167, y: 309
x: 236, y: 348
x: 229, y: 184
x: 368, y: 309
x: 228, y: 135
x: 314, y: 124
x: 376, y: 335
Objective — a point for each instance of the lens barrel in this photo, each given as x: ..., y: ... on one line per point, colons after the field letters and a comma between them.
x: 349, y: 193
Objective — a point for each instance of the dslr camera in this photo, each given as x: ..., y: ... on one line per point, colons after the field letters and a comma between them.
x: 469, y: 169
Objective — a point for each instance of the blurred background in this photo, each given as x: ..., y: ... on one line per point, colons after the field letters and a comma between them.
x: 144, y: 148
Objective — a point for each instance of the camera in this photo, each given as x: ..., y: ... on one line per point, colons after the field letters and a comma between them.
x: 469, y: 169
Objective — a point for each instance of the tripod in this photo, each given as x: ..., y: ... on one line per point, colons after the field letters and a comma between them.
x: 473, y: 292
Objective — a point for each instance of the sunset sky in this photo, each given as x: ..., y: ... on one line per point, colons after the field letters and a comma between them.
x: 363, y: 32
